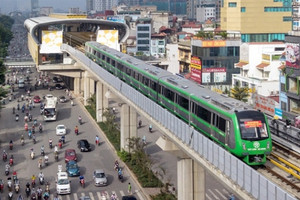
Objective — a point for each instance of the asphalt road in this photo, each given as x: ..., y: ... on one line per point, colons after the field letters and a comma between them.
x: 101, y: 157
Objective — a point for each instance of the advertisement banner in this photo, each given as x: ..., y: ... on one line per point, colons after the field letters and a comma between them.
x: 196, y: 75
x: 214, y: 43
x: 265, y: 104
x: 205, y: 77
x: 209, y: 70
x: 109, y: 38
x: 292, y: 55
x: 219, y: 77
x: 51, y: 42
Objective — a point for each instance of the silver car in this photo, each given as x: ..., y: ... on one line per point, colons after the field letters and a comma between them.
x: 100, y: 178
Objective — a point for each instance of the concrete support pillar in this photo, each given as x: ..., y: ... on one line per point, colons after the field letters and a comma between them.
x: 191, y: 180
x: 101, y: 101
x: 92, y: 87
x: 128, y: 127
x: 86, y: 94
x: 76, y: 86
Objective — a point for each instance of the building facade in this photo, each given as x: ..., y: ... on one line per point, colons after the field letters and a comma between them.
x: 206, y: 12
x: 143, y: 36
x: 260, y: 68
x: 158, y: 45
x: 257, y: 21
x: 184, y: 58
x: 212, y: 61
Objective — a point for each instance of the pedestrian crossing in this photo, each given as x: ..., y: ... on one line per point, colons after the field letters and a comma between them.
x: 103, y: 195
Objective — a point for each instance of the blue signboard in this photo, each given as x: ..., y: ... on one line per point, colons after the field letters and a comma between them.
x: 278, y: 113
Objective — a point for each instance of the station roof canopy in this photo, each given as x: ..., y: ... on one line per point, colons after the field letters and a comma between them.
x: 33, y: 24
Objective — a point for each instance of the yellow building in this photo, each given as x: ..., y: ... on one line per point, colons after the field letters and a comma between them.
x: 257, y: 21
x: 184, y: 50
x: 68, y: 16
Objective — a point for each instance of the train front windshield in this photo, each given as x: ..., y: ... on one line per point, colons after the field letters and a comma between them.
x: 252, y: 125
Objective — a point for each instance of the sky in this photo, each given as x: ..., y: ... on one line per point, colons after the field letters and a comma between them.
x: 7, y: 6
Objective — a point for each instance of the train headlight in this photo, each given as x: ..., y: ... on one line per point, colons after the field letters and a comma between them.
x: 244, y: 146
x: 268, y: 145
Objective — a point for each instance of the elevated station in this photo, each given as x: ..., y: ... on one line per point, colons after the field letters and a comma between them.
x: 47, y: 34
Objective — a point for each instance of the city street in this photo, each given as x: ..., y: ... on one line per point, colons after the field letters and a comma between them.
x: 101, y: 157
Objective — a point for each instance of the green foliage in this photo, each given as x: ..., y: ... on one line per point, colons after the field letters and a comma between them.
x: 240, y: 93
x: 163, y: 196
x: 5, y: 34
x: 91, y: 111
x: 92, y: 102
x: 205, y: 35
x: 2, y: 72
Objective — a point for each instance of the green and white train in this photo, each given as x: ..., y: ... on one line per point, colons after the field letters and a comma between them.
x: 231, y: 123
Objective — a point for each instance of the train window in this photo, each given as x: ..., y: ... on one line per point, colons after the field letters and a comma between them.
x: 103, y: 57
x: 128, y: 71
x: 169, y: 94
x: 120, y: 67
x: 98, y: 54
x: 183, y: 102
x: 145, y: 81
x: 203, y: 114
x: 222, y: 124
x: 113, y: 63
x: 153, y: 85
x: 108, y: 59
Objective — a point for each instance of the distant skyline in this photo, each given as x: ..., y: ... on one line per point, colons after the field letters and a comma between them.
x: 7, y: 6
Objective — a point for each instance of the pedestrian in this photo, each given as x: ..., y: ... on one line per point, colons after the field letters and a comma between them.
x: 129, y: 188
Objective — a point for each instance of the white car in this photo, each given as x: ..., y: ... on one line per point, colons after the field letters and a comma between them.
x: 61, y: 130
x: 62, y: 183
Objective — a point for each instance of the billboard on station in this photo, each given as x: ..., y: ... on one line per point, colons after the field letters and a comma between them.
x: 219, y: 75
x: 109, y: 38
x: 51, y: 42
x: 196, y: 69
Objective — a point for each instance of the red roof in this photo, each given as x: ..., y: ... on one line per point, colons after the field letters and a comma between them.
x: 240, y: 64
x: 191, y: 26
x: 262, y: 65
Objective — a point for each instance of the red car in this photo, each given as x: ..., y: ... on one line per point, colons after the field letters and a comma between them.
x: 36, y: 99
x: 70, y: 154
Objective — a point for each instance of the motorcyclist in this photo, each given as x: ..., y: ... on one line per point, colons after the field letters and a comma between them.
x: 120, y: 172
x: 40, y: 162
x: 15, y: 176
x: 46, y: 159
x: 113, y: 196
x: 33, y: 180
x: 150, y: 128
x: 56, y: 148
x: 29, y: 133
x: 81, y: 179
x: 40, y: 127
x: 4, y: 155
x: 76, y: 130
x: 11, y: 160
x: 11, y: 144
x: 34, y: 139
x: 42, y: 150
x: 41, y: 175
x: 50, y: 143
x: 7, y: 167
x: 14, y: 110
x: 116, y: 165
x: 63, y: 139
x: 39, y: 191
x: 97, y: 140
x: 32, y: 153
x: 80, y: 120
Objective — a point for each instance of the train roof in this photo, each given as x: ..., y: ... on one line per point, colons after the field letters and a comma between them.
x: 195, y: 90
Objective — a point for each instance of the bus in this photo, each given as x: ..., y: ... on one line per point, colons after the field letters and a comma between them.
x: 21, y: 83
x: 50, y: 111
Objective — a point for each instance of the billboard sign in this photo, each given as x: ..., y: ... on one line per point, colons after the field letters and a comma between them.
x: 213, y: 43
x: 51, y: 42
x: 265, y: 104
x: 109, y: 38
x: 219, y: 75
x: 292, y: 55
x: 196, y: 69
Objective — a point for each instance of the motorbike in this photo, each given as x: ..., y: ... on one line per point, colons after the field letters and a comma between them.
x: 11, y: 146
x: 17, y: 117
x: 39, y: 195
x: 50, y: 144
x: 41, y: 179
x: 47, y: 189
x: 26, y: 127
x: 42, y: 152
x: 120, y: 176
x: 76, y: 131
x: 46, y: 196
x: 34, y: 140
x: 40, y: 129
x: 4, y: 157
x: 82, y: 183
x: 80, y: 121
x: 33, y: 183
x: 29, y: 134
x: 7, y: 170
x: 9, y: 183
x: 150, y: 129
x: 1, y: 185
x: 33, y: 196
x: 60, y: 144
x: 140, y: 123
x: 46, y: 160
x: 27, y: 190
x: 10, y: 195
x: 32, y: 154
x: 17, y: 187
x: 35, y: 122
x: 56, y: 156
x: 11, y: 161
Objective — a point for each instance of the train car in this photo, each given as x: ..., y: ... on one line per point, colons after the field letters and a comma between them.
x: 233, y: 124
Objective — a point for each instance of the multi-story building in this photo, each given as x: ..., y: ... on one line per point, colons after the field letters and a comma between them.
x: 158, y: 45
x: 89, y: 6
x: 102, y: 5
x: 159, y: 19
x: 45, y: 11
x: 257, y: 21
x: 206, y: 11
x: 143, y: 35
x: 34, y: 7
x: 260, y: 68
x: 184, y: 58
x: 212, y: 61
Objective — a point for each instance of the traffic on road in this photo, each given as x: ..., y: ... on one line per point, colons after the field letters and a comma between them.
x: 47, y: 157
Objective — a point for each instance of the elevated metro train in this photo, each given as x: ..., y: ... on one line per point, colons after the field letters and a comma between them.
x: 231, y: 123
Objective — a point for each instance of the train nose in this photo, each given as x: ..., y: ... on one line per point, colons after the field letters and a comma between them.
x: 257, y: 159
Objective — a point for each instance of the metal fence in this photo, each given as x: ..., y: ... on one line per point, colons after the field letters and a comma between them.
x: 243, y: 175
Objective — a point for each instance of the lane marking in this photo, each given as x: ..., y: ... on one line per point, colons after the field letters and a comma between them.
x: 208, y: 197
x: 122, y: 193
x: 99, y: 195
x: 139, y: 194
x: 91, y: 196
x: 75, y: 196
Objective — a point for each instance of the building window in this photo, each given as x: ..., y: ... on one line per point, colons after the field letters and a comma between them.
x: 143, y: 48
x: 287, y: 19
x: 143, y: 28
x: 283, y: 106
x: 143, y: 41
x: 143, y: 35
x: 294, y: 106
x: 161, y: 50
x: 232, y: 4
x: 161, y: 42
x: 243, y: 9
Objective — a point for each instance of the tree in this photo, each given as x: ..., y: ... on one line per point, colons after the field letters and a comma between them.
x: 240, y: 93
